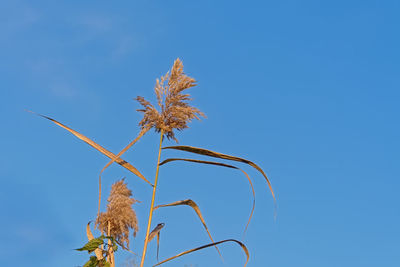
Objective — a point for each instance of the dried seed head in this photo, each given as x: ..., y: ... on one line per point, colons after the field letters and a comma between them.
x: 175, y: 113
x: 119, y: 214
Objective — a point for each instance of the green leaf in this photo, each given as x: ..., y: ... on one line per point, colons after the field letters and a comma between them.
x: 113, y: 242
x: 90, y: 237
x: 93, y: 262
x: 93, y: 244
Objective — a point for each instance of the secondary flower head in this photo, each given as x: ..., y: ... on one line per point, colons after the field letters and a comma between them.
x: 119, y: 215
x: 175, y: 112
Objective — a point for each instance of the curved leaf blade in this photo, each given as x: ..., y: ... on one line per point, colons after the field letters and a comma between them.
x: 158, y: 243
x: 206, y: 152
x: 92, y: 245
x: 114, y: 159
x: 90, y: 237
x: 246, y: 251
x: 196, y: 208
x: 156, y: 231
x: 222, y: 165
x: 89, y: 232
x: 198, y: 161
x: 104, y: 151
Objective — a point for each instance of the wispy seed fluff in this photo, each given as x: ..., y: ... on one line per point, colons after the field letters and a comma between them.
x: 119, y: 214
x: 175, y: 112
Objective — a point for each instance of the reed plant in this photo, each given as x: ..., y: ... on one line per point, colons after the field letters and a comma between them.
x: 171, y: 113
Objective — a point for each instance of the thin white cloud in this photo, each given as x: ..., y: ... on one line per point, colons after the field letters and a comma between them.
x: 109, y: 31
x: 123, y: 46
x: 63, y: 89
x: 96, y: 23
x: 16, y: 16
x: 54, y: 77
x: 30, y: 234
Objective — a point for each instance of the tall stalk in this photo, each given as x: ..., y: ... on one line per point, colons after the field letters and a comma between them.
x: 174, y: 113
x: 111, y: 258
x: 152, y: 201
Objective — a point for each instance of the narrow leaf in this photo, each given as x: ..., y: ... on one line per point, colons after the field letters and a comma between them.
x: 158, y: 243
x: 210, y: 153
x: 199, y: 161
x: 223, y: 165
x: 155, y: 231
x: 92, y: 244
x: 246, y: 251
x: 92, y: 262
x: 107, y: 153
x: 114, y: 159
x: 90, y: 236
x: 89, y: 232
x: 196, y: 208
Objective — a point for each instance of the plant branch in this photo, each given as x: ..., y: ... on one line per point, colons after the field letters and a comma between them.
x: 152, y: 202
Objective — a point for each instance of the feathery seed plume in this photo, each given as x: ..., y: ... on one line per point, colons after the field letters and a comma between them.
x: 119, y: 214
x: 175, y: 112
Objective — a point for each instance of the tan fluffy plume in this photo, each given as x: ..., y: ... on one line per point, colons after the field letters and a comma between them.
x: 119, y: 215
x: 175, y: 112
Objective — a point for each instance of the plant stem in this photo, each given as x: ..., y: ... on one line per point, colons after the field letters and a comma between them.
x: 110, y: 248
x: 152, y: 202
x: 113, y: 159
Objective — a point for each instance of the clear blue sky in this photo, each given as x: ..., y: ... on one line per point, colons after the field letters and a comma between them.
x: 309, y: 90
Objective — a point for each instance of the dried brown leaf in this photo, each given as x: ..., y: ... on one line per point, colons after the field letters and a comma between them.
x: 90, y: 236
x: 89, y: 232
x: 246, y: 251
x: 114, y: 159
x: 210, y: 153
x: 198, y: 161
x: 222, y: 165
x: 196, y: 208
x: 107, y: 153
x: 156, y: 231
x: 158, y: 243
